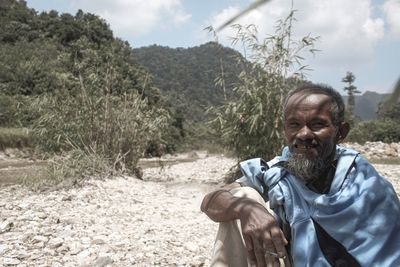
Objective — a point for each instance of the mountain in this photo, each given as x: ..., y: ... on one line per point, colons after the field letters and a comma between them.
x: 366, y: 105
x: 187, y: 76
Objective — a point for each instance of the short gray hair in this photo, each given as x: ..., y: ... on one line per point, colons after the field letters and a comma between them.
x: 336, y: 99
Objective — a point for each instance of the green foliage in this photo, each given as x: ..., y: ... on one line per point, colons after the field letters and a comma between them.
x: 116, y: 125
x: 14, y: 138
x: 16, y: 111
x: 351, y: 92
x: 80, y: 91
x: 70, y: 170
x: 387, y: 131
x: 389, y: 111
x: 187, y: 76
x: 32, y: 68
x: 252, y: 125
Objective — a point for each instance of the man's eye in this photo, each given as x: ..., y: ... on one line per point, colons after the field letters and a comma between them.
x: 294, y: 125
x: 318, y: 125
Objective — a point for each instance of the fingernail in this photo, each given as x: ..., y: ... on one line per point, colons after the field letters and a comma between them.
x: 282, y: 255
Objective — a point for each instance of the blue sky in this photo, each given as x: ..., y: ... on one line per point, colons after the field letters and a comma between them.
x: 362, y: 36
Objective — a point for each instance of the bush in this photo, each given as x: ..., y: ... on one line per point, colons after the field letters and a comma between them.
x: 14, y: 111
x: 69, y: 170
x: 116, y: 128
x: 14, y: 138
x: 252, y: 125
x: 387, y: 131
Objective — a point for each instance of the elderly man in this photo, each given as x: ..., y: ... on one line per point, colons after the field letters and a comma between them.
x: 330, y: 206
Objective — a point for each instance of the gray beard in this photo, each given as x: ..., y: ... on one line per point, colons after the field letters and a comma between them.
x: 306, y: 169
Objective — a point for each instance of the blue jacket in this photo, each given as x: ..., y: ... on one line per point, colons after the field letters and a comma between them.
x: 361, y: 211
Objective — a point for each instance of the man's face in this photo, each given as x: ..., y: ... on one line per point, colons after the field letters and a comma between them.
x: 309, y: 129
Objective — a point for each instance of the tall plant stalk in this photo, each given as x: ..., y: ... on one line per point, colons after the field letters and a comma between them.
x: 252, y: 124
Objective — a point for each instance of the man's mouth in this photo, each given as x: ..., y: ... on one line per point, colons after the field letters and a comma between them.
x: 305, y: 146
x: 301, y: 147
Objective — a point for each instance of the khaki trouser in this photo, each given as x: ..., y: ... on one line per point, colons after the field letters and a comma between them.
x: 229, y: 248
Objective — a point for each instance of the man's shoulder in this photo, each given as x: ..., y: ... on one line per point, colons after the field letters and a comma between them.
x: 345, y: 151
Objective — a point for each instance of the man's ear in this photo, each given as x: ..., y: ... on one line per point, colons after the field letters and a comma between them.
x: 344, y: 129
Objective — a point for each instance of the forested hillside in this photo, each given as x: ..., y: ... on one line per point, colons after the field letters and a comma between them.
x: 189, y: 76
x: 79, y: 91
x: 367, y: 105
x: 48, y: 51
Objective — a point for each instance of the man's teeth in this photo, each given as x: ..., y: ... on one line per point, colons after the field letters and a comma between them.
x: 304, y: 146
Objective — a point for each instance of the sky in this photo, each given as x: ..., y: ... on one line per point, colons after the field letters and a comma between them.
x: 361, y: 36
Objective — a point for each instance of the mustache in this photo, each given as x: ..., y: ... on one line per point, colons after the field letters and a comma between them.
x: 305, y: 143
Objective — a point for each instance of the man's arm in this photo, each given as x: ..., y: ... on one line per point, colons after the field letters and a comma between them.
x: 219, y: 205
x: 260, y: 230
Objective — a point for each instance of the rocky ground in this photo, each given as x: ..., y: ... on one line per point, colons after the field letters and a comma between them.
x: 120, y: 222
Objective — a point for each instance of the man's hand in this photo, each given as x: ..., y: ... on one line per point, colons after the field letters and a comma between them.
x: 264, y: 240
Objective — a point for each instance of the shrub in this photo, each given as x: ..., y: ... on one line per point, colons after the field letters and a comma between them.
x: 252, y: 125
x: 117, y: 128
x: 14, y: 111
x: 387, y: 131
x: 14, y: 138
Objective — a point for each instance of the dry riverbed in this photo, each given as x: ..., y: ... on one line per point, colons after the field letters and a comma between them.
x: 122, y: 221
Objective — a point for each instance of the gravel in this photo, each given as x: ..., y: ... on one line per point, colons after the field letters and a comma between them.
x: 120, y: 222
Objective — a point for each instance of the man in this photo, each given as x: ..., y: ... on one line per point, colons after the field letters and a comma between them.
x: 330, y: 206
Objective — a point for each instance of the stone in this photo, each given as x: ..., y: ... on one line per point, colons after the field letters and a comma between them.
x: 390, y: 152
x: 11, y: 261
x: 103, y: 261
x: 6, y: 226
x: 123, y: 221
x: 39, y: 238
x: 83, y: 254
x: 55, y: 242
x: 3, y: 249
x: 191, y: 246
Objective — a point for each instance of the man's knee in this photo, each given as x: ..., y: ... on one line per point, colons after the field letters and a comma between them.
x: 248, y: 192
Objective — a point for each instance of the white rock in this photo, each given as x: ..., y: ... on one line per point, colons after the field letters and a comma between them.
x: 11, y: 261
x: 39, y: 238
x: 83, y: 254
x: 6, y: 226
x: 191, y: 246
x: 4, y: 248
x: 55, y: 242
x: 103, y: 261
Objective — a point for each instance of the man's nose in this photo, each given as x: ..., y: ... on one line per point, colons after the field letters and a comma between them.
x: 305, y: 133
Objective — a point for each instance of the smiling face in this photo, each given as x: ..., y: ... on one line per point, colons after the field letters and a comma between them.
x: 309, y: 128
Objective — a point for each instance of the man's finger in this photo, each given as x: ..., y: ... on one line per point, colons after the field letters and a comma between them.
x: 279, y: 242
x: 270, y: 255
x: 250, y: 249
x: 271, y: 259
x: 259, y: 251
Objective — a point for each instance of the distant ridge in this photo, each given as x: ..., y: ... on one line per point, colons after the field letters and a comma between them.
x: 187, y: 75
x: 367, y: 105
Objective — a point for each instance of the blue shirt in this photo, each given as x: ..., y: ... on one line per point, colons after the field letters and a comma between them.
x: 361, y: 211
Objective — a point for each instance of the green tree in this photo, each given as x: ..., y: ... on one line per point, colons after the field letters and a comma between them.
x: 252, y: 124
x: 351, y: 92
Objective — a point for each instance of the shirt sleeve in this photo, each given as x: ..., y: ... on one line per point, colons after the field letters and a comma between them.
x: 253, y: 173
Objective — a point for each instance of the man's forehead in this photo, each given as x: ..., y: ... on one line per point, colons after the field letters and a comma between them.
x: 308, y: 97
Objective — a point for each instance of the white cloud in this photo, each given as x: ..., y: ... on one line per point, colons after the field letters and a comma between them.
x: 391, y: 8
x: 347, y: 29
x: 133, y: 18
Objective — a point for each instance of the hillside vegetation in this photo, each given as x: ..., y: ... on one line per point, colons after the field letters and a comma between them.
x: 195, y: 78
x: 92, y: 105
x: 79, y: 91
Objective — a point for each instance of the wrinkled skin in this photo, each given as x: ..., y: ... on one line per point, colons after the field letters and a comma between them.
x: 309, y: 128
